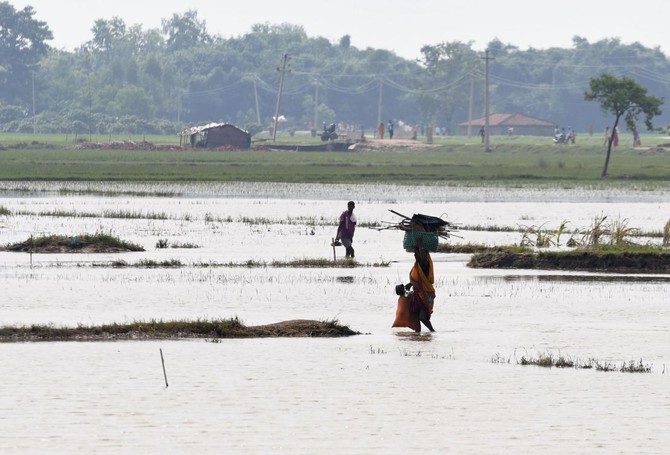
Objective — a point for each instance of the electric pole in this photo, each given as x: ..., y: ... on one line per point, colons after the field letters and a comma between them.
x: 258, y: 111
x: 282, y: 70
x: 32, y: 77
x: 472, y: 93
x: 379, y: 107
x: 316, y: 105
x: 487, y: 145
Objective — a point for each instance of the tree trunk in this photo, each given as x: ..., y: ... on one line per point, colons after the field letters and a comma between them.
x: 609, y: 148
x: 607, y: 158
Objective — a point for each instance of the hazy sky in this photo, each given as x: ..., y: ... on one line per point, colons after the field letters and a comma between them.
x: 402, y: 26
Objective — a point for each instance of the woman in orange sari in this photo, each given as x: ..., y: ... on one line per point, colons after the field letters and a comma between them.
x: 418, y: 306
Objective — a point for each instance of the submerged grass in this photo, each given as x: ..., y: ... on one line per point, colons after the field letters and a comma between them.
x: 471, y: 248
x: 549, y: 360
x: 561, y: 230
x: 113, y: 214
x: 158, y: 329
x: 250, y: 263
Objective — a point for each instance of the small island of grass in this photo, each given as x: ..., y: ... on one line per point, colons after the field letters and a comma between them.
x: 601, y: 258
x: 84, y: 243
x: 172, y: 330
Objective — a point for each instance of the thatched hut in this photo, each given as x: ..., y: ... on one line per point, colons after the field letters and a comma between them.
x: 215, y: 135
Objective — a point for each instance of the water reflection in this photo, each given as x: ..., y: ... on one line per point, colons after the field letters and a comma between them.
x: 422, y: 337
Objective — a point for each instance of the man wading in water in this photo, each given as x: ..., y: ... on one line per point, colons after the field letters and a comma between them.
x: 345, y: 231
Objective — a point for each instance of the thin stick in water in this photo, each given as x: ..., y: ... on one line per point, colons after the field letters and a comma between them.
x: 164, y: 373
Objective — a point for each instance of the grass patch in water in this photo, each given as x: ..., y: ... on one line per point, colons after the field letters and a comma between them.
x: 488, y: 228
x: 114, y: 214
x: 184, y: 245
x: 149, y: 263
x: 84, y: 243
x: 158, y: 329
x: 252, y: 263
x: 471, y: 248
x: 549, y: 360
x: 323, y: 262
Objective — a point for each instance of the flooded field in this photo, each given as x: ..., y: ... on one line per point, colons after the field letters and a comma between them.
x: 458, y: 390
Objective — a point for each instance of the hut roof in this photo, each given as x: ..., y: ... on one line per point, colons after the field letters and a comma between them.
x: 201, y: 128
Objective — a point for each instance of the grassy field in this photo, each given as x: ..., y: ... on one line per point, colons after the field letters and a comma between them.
x: 454, y: 159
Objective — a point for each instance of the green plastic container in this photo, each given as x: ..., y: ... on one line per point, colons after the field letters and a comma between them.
x: 429, y: 240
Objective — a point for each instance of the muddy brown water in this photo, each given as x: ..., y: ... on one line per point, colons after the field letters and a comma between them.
x: 387, y: 391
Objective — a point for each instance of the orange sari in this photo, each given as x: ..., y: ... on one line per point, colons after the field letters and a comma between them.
x: 403, y: 315
x: 423, y: 285
x: 408, y: 312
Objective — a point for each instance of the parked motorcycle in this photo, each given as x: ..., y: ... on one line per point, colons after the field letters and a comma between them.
x: 329, y: 133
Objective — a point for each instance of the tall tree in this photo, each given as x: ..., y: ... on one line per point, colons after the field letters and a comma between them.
x: 22, y: 45
x: 450, y: 68
x: 107, y: 32
x: 185, y: 31
x: 622, y: 97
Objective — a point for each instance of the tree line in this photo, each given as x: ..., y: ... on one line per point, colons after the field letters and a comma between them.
x: 126, y: 78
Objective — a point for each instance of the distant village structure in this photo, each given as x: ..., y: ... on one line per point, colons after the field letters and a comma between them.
x: 503, y: 123
x: 215, y: 135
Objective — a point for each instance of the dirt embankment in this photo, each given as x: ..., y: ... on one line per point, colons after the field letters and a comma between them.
x: 126, y: 145
x: 389, y: 145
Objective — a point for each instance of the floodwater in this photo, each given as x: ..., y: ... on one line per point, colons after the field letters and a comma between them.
x: 459, y: 390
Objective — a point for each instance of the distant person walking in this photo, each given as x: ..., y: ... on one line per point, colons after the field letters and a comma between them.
x: 390, y: 128
x: 346, y: 228
x: 482, y: 133
x: 636, y: 137
x: 606, y: 138
x: 615, y: 137
x: 380, y: 130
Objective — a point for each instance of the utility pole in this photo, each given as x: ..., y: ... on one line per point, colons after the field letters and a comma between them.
x: 282, y: 70
x: 472, y: 93
x: 258, y: 111
x: 316, y: 105
x: 32, y: 74
x: 487, y: 145
x: 379, y: 107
